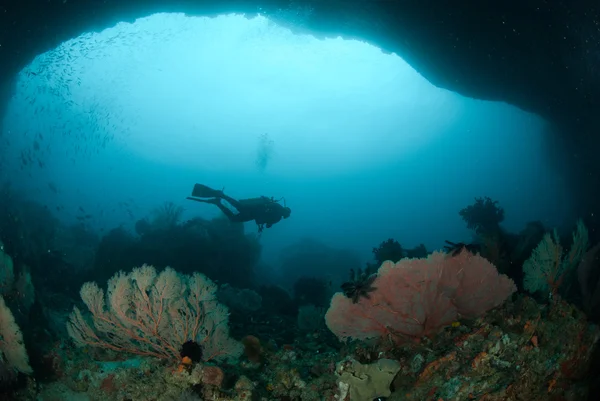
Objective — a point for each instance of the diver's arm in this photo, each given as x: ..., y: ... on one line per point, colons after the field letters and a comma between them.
x: 273, y: 220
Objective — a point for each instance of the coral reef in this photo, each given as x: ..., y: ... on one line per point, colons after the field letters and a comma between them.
x: 521, y: 351
x: 388, y: 250
x: 484, y: 216
x: 438, y: 327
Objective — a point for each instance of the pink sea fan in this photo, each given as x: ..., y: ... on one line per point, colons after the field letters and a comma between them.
x: 481, y: 287
x: 417, y: 297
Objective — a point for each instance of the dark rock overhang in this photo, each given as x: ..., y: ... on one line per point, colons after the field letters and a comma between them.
x: 531, y: 53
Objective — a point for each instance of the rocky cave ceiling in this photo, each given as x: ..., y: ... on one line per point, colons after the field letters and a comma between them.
x: 540, y: 55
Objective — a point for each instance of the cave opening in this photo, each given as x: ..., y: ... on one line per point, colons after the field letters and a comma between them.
x: 231, y: 96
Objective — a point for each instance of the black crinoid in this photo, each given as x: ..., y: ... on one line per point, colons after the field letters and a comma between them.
x: 454, y: 248
x: 360, y: 284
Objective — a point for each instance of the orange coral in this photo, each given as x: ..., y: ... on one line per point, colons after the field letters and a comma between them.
x: 252, y: 348
x: 434, y: 366
x: 213, y: 376
x: 186, y: 364
x: 479, y: 358
x: 534, y: 341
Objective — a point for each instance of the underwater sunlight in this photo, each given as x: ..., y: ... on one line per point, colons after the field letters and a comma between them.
x: 358, y: 141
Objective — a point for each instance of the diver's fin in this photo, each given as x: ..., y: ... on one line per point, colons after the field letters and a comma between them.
x: 214, y: 201
x: 202, y: 191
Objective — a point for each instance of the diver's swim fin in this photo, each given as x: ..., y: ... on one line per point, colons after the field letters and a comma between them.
x: 202, y: 191
x: 214, y: 201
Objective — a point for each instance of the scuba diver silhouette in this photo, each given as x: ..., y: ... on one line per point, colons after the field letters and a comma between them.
x: 264, y: 211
